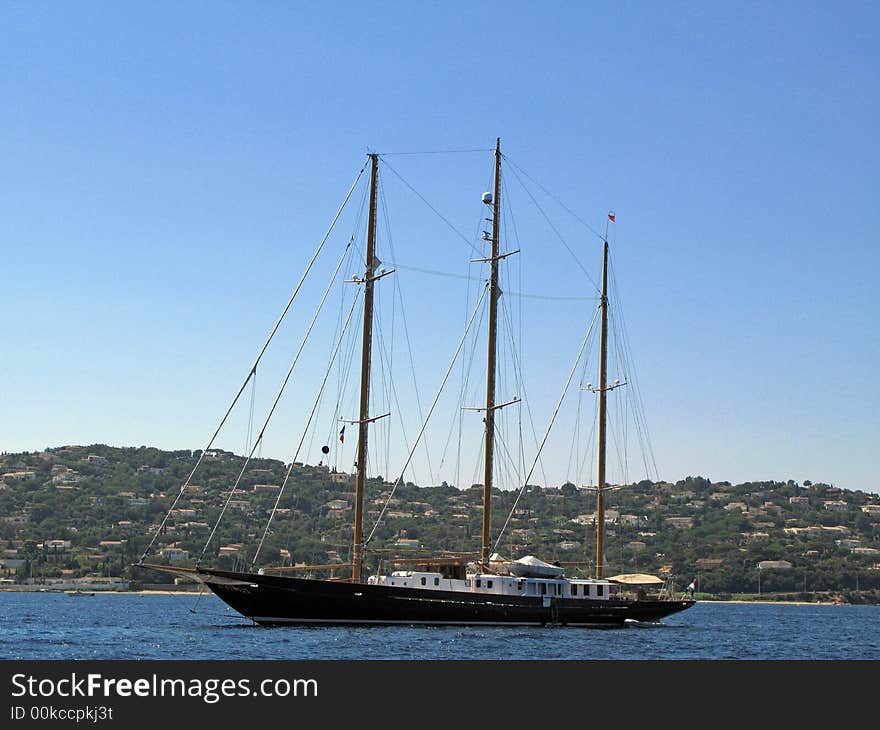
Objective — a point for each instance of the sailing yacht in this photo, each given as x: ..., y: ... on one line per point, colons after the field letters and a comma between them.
x: 444, y: 589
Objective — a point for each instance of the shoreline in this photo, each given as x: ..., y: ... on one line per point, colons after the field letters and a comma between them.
x: 68, y: 591
x: 780, y: 603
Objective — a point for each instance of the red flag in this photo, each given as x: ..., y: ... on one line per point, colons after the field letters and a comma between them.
x: 342, y: 435
x: 611, y: 216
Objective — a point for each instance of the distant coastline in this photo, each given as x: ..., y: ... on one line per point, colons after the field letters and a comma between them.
x: 81, y: 517
x: 772, y: 602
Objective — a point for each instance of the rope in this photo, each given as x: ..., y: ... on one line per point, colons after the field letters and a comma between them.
x: 547, y: 432
x: 398, y: 290
x: 639, y: 418
x: 434, y: 210
x: 560, y: 203
x: 524, y: 295
x: 250, y: 428
x: 252, y: 372
x: 527, y: 402
x: 507, y: 198
x: 383, y: 355
x: 556, y: 231
x: 435, y: 152
x: 427, y: 418
x: 467, y: 363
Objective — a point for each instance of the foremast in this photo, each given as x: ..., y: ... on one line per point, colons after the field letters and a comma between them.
x: 491, y: 361
x: 366, y: 362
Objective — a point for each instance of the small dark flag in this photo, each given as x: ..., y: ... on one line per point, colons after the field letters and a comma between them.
x: 611, y: 216
x: 342, y: 435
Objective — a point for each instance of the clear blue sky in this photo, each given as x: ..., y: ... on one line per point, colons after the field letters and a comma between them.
x: 167, y: 169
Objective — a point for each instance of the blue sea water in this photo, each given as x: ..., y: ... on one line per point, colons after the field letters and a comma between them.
x: 135, y: 626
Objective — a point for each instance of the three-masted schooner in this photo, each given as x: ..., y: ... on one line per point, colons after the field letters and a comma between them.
x: 444, y: 589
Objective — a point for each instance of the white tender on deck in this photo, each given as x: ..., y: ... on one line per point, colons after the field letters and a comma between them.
x: 501, y: 585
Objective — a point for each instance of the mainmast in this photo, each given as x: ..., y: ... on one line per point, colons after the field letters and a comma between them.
x: 366, y: 361
x: 603, y: 390
x: 491, y: 359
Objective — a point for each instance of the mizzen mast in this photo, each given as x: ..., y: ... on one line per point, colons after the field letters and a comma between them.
x: 366, y: 361
x: 491, y: 360
x: 603, y: 390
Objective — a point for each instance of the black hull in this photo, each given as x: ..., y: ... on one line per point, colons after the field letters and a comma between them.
x: 279, y: 600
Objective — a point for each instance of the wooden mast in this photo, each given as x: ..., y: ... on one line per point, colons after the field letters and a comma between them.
x: 366, y: 361
x: 603, y: 390
x: 491, y: 359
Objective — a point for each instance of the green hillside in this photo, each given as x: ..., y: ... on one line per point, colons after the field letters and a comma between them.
x: 92, y: 510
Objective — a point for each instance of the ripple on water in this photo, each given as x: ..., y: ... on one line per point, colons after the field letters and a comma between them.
x: 47, y: 626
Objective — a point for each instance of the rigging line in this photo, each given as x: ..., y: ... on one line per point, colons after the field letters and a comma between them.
x: 556, y: 231
x: 591, y: 445
x: 578, y: 447
x: 436, y: 212
x: 643, y: 430
x: 592, y: 442
x: 505, y: 479
x: 617, y: 364
x: 278, y: 396
x: 524, y: 295
x: 412, y: 368
x: 509, y: 347
x: 591, y: 448
x: 528, y: 404
x: 398, y: 289
x: 394, y: 291
x: 354, y: 237
x: 558, y: 201
x: 575, y: 440
x: 467, y: 363
x: 623, y: 399
x: 387, y: 466
x: 343, y: 371
x: 342, y: 388
x: 481, y: 449
x: 385, y: 428
x: 613, y: 401
x: 250, y: 428
x: 430, y: 411
x: 252, y: 372
x: 339, y: 377
x: 383, y: 355
x: 291, y: 511
x: 638, y: 403
x: 525, y: 399
x: 506, y: 200
x: 379, y: 376
x: 549, y: 427
x: 615, y: 437
x: 433, y: 152
x: 509, y: 462
x: 198, y: 598
x: 352, y: 345
x: 306, y: 429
